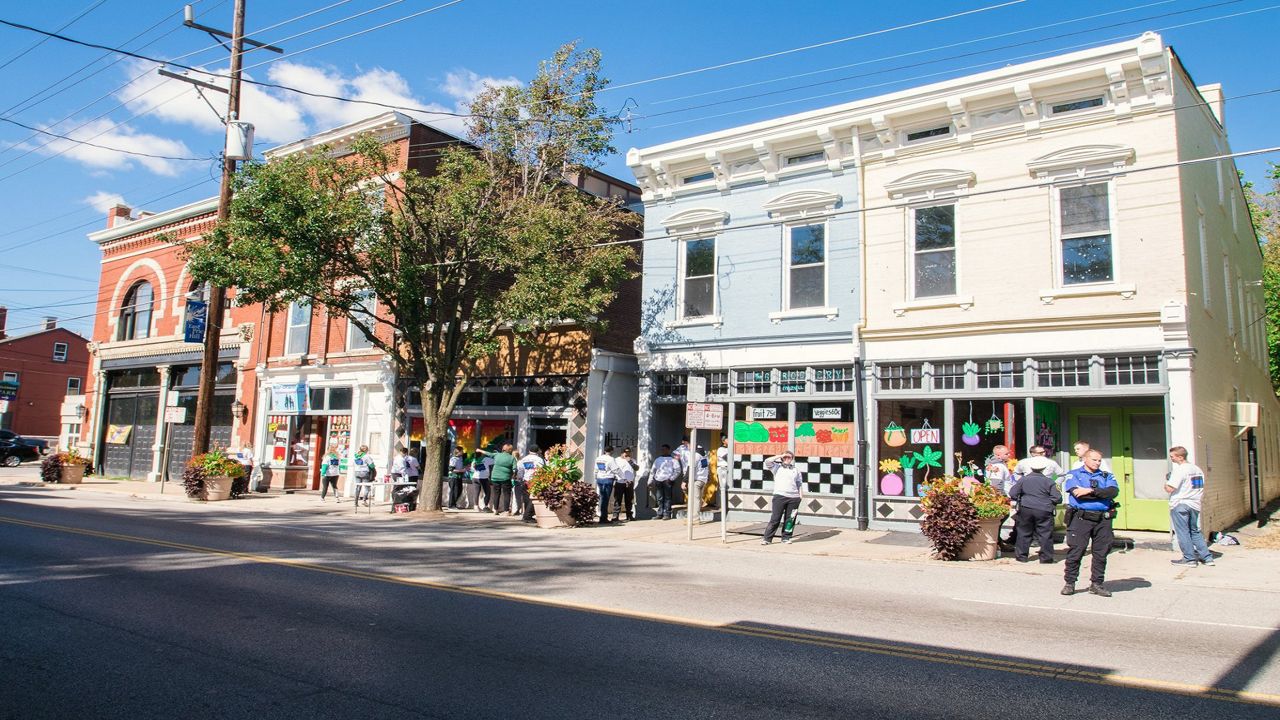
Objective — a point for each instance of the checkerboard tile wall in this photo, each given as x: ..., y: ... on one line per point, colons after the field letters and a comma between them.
x: 823, y: 476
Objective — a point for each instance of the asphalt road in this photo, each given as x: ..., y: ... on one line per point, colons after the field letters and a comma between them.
x: 119, y: 610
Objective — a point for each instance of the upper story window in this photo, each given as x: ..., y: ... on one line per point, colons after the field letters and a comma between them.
x: 135, y: 313
x: 1085, y: 229
x: 298, y: 335
x: 803, y: 158
x: 697, y: 178
x: 73, y: 386
x: 934, y: 252
x: 928, y: 133
x: 59, y: 352
x: 698, y: 278
x: 365, y: 310
x: 806, y: 270
x: 1071, y: 106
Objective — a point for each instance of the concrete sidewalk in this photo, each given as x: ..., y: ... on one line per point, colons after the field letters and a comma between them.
x: 1250, y: 565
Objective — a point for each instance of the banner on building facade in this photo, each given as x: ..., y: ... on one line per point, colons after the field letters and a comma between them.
x: 197, y: 318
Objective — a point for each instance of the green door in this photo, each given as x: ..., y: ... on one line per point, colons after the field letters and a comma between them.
x: 1132, y: 443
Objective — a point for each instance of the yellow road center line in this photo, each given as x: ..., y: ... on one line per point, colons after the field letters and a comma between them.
x: 1044, y: 670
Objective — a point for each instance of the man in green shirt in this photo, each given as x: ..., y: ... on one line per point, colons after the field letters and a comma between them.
x: 500, y: 478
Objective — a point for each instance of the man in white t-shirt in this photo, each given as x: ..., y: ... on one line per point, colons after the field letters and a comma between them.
x: 1186, y: 490
x: 788, y: 489
x: 1081, y: 447
x: 525, y: 468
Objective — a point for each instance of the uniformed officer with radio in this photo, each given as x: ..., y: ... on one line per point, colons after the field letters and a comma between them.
x: 1091, y: 493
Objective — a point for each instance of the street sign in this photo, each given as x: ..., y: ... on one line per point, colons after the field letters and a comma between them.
x: 764, y: 413
x: 703, y: 416
x: 696, y: 390
x: 9, y: 389
x: 197, y: 315
x: 175, y: 414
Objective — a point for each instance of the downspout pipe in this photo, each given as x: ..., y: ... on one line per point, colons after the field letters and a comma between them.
x: 864, y: 470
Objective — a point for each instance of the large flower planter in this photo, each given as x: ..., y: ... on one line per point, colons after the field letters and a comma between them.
x: 985, y: 543
x: 72, y: 474
x: 217, y: 488
x: 548, y: 518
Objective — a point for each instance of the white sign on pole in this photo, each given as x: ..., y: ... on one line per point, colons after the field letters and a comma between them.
x: 703, y: 416
x: 175, y: 414
x: 4, y: 406
x: 696, y: 389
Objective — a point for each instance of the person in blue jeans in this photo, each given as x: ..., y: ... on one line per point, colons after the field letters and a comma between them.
x: 1186, y: 492
x: 606, y: 469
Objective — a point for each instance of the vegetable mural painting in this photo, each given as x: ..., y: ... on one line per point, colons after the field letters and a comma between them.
x: 749, y: 432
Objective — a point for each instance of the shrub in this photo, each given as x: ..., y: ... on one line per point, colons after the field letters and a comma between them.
x: 193, y: 480
x: 949, y: 522
x: 215, y: 463
x: 551, y: 483
x: 584, y: 499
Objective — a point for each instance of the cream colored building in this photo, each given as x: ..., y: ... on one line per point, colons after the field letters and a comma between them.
x: 1046, y: 257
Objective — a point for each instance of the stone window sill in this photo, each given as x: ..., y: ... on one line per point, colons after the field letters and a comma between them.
x: 829, y: 313
x: 1124, y: 290
x: 964, y: 303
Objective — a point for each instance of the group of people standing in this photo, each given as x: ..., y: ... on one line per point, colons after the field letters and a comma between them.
x: 501, y: 480
x: 1037, y: 485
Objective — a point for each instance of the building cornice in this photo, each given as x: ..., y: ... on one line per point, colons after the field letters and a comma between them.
x: 387, y: 127
x: 153, y: 222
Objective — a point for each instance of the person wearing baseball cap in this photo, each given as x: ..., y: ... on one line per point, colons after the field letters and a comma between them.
x: 1037, y: 497
x: 788, y: 489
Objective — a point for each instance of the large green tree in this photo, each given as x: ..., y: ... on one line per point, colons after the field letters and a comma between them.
x: 492, y: 243
x: 1264, y: 210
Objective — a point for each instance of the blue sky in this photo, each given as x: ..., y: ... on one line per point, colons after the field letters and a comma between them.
x: 54, y: 194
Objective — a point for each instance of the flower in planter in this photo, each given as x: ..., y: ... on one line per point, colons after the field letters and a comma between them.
x: 53, y: 463
x: 214, y: 463
x: 952, y: 508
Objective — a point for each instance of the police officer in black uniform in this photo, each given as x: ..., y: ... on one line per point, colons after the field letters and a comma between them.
x: 1091, y: 493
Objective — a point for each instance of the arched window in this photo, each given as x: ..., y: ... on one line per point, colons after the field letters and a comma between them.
x: 135, y: 314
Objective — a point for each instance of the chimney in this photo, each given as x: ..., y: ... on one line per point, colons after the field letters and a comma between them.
x: 118, y: 215
x: 50, y: 322
x: 4, y: 315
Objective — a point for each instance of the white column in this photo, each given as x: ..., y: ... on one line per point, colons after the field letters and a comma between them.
x: 157, y: 447
x: 99, y: 414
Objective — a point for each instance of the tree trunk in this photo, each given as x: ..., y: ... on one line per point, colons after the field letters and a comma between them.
x: 429, y: 485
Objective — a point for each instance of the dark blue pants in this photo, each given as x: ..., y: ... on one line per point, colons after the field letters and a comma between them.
x: 606, y: 491
x: 664, y: 498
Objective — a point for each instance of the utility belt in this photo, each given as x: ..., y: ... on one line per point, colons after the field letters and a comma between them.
x: 1090, y: 515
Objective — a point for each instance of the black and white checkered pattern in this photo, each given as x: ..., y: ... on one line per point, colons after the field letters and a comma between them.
x: 823, y: 475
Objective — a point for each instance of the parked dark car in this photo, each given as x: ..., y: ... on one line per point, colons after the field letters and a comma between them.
x: 9, y: 436
x: 12, y: 454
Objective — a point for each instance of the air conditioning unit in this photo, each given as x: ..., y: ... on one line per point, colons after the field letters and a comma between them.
x: 1244, y: 414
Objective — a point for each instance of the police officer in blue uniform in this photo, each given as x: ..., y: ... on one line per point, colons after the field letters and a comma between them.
x: 1091, y: 493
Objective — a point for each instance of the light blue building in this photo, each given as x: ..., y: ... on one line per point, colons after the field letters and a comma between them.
x: 752, y: 281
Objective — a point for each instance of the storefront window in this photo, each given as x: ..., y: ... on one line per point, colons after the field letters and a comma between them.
x: 910, y: 446
x: 825, y: 430
x: 980, y: 425
x: 763, y: 430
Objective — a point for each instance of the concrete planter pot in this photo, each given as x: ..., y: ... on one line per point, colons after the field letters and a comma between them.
x: 985, y: 543
x: 72, y: 474
x: 548, y: 518
x: 217, y: 488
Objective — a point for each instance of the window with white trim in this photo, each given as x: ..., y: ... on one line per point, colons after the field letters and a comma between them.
x: 805, y: 157
x: 927, y: 134
x: 1204, y: 257
x: 806, y: 267
x: 73, y: 386
x: 1070, y: 106
x: 298, y: 334
x: 698, y: 278
x: 697, y: 178
x: 1085, y: 232
x: 1226, y: 295
x: 59, y: 352
x: 934, y: 251
x: 366, y: 310
x: 135, y: 314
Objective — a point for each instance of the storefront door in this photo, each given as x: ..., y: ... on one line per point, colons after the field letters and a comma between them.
x: 1132, y: 441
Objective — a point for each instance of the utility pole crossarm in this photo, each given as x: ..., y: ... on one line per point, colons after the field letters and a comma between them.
x: 189, y: 19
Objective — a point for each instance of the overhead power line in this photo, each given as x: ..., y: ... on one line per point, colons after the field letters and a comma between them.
x: 100, y: 147
x: 42, y: 41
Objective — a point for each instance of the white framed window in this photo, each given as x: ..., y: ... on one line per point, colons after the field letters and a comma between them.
x: 1226, y: 295
x: 1204, y: 257
x: 1064, y: 107
x: 697, y: 178
x: 805, y: 272
x: 135, y: 314
x: 11, y: 377
x: 1084, y: 214
x: 933, y: 257
x: 925, y: 134
x: 59, y: 352
x: 298, y: 334
x: 366, y: 310
x: 73, y: 386
x: 804, y: 157
x: 698, y: 278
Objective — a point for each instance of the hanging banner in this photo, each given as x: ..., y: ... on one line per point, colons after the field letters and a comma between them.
x: 197, y: 318
x: 289, y: 399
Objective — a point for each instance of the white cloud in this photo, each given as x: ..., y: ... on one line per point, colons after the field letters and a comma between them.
x: 105, y: 132
x: 373, y: 86
x: 102, y: 201
x: 464, y: 85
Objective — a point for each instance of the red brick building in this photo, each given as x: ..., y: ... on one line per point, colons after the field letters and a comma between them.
x: 40, y: 369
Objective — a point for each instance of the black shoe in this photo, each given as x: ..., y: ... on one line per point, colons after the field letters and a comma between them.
x: 1098, y: 590
x: 1069, y: 589
x: 1023, y: 559
x: 1047, y: 561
